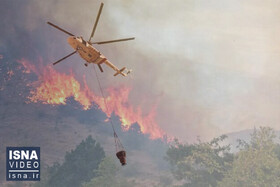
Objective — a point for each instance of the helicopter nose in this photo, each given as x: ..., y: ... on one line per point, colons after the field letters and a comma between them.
x: 71, y: 40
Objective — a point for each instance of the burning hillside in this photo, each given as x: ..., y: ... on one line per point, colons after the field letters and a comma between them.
x: 53, y: 87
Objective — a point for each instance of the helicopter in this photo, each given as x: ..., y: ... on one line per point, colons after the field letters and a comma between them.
x: 89, y: 53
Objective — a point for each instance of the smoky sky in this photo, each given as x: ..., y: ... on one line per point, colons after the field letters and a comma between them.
x: 211, y: 67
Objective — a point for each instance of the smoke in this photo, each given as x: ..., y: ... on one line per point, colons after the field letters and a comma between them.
x: 214, y: 64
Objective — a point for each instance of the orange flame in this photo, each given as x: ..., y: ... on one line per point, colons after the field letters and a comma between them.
x: 54, y: 88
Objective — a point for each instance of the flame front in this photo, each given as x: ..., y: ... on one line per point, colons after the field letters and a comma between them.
x: 55, y: 88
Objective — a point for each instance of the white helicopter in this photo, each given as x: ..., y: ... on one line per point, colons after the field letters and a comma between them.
x: 88, y: 52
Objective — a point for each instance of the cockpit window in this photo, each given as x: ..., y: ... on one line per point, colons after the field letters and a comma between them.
x: 84, y: 42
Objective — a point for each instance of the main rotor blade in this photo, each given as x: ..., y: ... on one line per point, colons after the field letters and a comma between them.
x: 57, y: 27
x: 64, y: 58
x: 112, y: 41
x: 96, y: 21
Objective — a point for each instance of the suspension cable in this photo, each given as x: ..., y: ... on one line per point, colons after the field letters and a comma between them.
x: 116, y: 138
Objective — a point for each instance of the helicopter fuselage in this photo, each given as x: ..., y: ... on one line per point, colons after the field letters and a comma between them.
x: 85, y: 50
x: 88, y: 52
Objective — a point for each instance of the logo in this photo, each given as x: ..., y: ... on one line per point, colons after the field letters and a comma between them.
x: 23, y: 163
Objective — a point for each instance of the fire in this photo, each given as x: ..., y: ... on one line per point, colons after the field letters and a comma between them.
x: 53, y: 87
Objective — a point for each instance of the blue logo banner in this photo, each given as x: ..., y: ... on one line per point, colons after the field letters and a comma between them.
x: 23, y: 163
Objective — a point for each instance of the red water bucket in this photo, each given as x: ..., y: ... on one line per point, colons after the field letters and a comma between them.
x: 122, y: 157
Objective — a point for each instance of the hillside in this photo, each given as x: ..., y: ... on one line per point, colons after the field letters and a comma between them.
x: 58, y: 129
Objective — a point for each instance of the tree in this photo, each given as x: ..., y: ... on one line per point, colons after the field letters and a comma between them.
x: 79, y: 165
x: 107, y: 176
x: 256, y: 164
x: 202, y: 164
